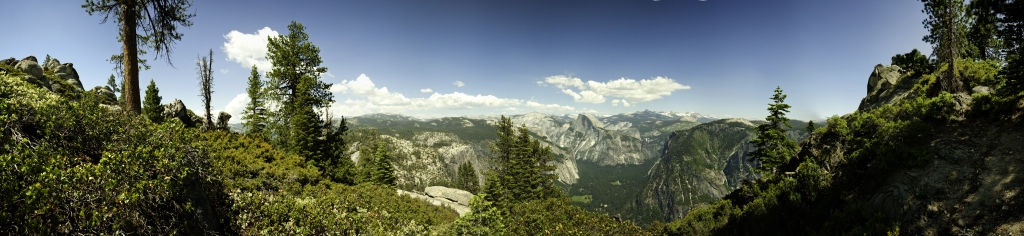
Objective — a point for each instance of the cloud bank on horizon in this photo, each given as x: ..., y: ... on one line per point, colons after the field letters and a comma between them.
x: 365, y: 97
x: 628, y: 91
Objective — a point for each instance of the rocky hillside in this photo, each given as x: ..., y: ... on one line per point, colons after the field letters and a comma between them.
x: 912, y: 159
x: 967, y: 179
x: 700, y: 165
x: 428, y: 151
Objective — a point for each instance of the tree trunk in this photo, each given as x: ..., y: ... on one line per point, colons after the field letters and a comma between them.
x: 952, y: 47
x: 129, y: 45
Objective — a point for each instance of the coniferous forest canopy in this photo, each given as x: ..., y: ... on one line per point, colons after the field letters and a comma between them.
x: 932, y: 149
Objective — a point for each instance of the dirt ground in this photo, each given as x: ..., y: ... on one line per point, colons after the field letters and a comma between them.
x: 971, y: 187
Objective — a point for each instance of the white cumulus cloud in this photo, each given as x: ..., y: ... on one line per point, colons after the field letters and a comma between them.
x: 368, y: 98
x: 459, y: 83
x: 426, y: 90
x: 249, y: 49
x: 628, y: 91
x: 236, y: 106
x: 223, y: 71
x: 585, y: 96
x: 562, y: 81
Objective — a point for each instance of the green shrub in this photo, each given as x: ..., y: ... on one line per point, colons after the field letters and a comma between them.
x: 248, y: 163
x: 484, y: 219
x: 979, y: 73
x: 337, y: 209
x: 555, y: 216
x: 834, y: 163
x: 73, y: 167
x: 705, y: 220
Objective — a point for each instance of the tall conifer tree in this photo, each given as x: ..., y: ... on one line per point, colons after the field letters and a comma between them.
x: 383, y: 172
x: 522, y: 171
x: 946, y: 24
x: 773, y: 148
x: 254, y: 117
x: 157, y: 19
x: 465, y: 178
x: 152, y: 108
x: 295, y: 60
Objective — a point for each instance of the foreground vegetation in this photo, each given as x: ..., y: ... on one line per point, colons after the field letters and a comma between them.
x: 76, y: 165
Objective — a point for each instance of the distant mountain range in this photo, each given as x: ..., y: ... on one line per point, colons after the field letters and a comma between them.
x: 629, y: 149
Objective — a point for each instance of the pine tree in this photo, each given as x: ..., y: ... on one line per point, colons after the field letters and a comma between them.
x: 305, y: 125
x: 465, y: 178
x: 254, y: 117
x: 913, y: 63
x: 338, y: 166
x: 521, y: 171
x: 159, y: 19
x: 1011, y: 34
x: 152, y: 108
x: 47, y: 60
x: 365, y: 163
x: 946, y: 24
x: 773, y: 148
x: 205, y: 71
x: 810, y: 127
x: 984, y: 28
x: 383, y: 172
x: 116, y: 88
x: 295, y: 60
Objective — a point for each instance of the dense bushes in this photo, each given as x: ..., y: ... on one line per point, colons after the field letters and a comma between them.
x: 247, y: 163
x: 820, y: 197
x: 73, y: 167
x: 337, y: 209
x: 552, y: 216
x: 274, y: 193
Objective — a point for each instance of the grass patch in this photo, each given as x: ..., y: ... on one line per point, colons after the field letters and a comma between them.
x: 585, y: 199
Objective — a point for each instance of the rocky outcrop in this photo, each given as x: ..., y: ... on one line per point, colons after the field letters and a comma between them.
x: 981, y: 89
x: 34, y: 71
x: 887, y: 85
x: 222, y: 120
x: 456, y: 195
x: 438, y: 200
x: 176, y: 110
x: 9, y: 61
x: 67, y: 73
x: 105, y: 92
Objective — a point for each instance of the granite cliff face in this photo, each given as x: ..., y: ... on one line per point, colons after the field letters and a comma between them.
x: 428, y: 151
x: 699, y: 165
x: 588, y: 138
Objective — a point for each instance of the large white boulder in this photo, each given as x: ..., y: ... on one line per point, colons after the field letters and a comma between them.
x: 457, y: 195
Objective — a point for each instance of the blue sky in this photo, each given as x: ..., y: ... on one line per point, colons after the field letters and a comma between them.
x: 715, y: 57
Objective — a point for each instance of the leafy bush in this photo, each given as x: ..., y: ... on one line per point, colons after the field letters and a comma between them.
x: 337, y: 209
x: 483, y: 219
x: 73, y: 167
x: 913, y: 62
x: 555, y: 216
x: 979, y: 73
x: 247, y: 163
x: 833, y: 164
